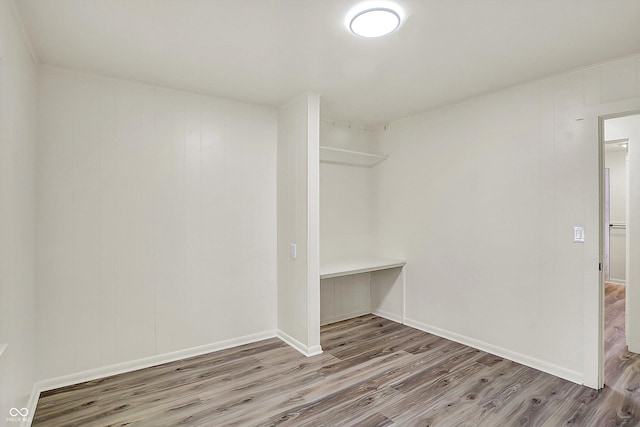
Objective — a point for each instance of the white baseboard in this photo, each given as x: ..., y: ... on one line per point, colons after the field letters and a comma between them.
x: 616, y: 281
x: 523, y: 359
x: 147, y: 362
x: 134, y: 365
x: 334, y: 319
x: 292, y: 342
x: 120, y: 368
x: 380, y: 313
x: 388, y: 315
x: 31, y: 406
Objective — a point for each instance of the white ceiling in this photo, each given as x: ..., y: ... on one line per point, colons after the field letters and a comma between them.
x: 266, y: 51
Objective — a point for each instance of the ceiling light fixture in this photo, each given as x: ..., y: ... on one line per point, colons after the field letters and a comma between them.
x: 374, y: 20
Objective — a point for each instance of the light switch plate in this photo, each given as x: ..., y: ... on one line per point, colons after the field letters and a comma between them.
x: 578, y: 234
x: 293, y: 254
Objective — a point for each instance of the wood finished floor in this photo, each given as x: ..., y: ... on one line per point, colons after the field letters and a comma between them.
x: 373, y: 372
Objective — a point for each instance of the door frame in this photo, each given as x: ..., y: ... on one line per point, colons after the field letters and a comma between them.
x: 606, y: 254
x: 593, y: 295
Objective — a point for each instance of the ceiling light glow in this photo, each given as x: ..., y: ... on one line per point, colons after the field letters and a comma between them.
x: 374, y: 19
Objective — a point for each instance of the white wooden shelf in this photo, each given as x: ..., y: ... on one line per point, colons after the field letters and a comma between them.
x: 342, y: 156
x: 364, y: 265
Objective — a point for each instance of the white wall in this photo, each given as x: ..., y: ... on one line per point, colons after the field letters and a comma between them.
x: 156, y: 222
x: 298, y: 223
x: 481, y: 197
x: 616, y: 162
x: 17, y: 209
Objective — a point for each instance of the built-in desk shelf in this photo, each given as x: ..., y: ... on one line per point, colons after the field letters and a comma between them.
x: 342, y: 156
x: 364, y: 265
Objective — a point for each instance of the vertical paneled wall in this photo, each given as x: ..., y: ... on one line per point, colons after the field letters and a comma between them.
x: 345, y: 297
x: 481, y: 197
x: 298, y: 218
x: 156, y: 221
x: 18, y: 366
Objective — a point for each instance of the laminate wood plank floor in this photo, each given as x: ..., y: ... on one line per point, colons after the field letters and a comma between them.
x: 373, y: 372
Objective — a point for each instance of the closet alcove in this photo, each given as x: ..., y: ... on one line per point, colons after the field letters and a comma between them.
x: 356, y: 277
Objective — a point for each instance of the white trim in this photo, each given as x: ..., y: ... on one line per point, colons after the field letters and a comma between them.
x: 297, y: 345
x: 541, y: 365
x: 616, y: 281
x: 388, y: 315
x: 31, y: 406
x: 404, y: 295
x: 133, y: 365
x: 313, y: 224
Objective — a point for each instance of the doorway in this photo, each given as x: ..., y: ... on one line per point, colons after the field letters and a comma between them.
x: 619, y: 201
x: 615, y: 206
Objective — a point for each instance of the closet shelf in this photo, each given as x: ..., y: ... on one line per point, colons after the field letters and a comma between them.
x: 342, y: 156
x: 356, y: 266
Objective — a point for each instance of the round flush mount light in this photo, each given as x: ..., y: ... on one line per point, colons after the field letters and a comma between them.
x: 374, y: 20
